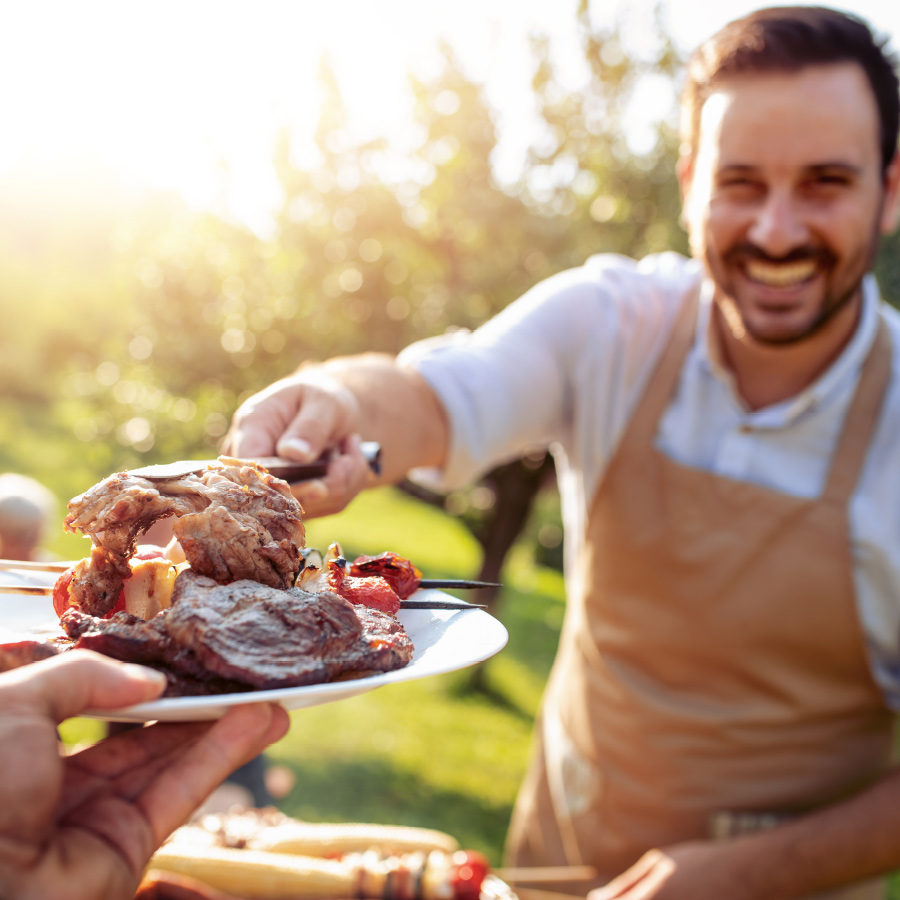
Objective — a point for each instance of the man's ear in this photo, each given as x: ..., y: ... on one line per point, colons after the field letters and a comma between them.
x: 684, y: 169
x: 890, y: 213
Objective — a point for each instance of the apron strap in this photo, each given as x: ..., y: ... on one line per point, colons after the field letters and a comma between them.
x: 861, y: 420
x: 860, y: 423
x: 655, y: 397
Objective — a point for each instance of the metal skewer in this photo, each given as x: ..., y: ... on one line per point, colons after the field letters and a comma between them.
x: 439, y: 604
x: 34, y: 566
x: 456, y: 583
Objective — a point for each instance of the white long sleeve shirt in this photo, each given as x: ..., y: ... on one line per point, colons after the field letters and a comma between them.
x: 564, y: 365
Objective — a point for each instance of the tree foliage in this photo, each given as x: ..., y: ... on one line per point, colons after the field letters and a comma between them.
x: 131, y: 331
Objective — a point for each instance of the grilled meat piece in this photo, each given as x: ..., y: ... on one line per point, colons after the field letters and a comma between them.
x: 129, y: 638
x: 145, y: 641
x: 21, y: 653
x: 123, y: 506
x: 234, y: 521
x: 242, y: 636
x: 389, y: 646
x: 270, y: 638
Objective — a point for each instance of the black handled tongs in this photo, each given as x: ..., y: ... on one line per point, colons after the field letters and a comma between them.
x: 287, y: 469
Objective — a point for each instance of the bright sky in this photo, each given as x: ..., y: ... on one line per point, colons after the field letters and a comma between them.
x: 166, y: 89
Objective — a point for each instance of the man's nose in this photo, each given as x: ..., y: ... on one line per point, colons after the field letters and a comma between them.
x: 779, y: 226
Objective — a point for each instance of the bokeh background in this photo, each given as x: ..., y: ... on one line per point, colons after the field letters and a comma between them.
x: 197, y: 197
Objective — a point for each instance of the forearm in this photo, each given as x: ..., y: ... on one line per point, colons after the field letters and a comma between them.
x: 393, y: 406
x: 846, y: 842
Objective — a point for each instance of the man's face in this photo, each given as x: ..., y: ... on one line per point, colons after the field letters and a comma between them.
x: 785, y: 197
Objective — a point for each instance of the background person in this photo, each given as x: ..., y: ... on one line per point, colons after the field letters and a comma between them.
x: 26, y: 510
x: 720, y: 715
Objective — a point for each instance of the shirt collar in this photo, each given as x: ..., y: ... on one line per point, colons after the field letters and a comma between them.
x: 845, y: 368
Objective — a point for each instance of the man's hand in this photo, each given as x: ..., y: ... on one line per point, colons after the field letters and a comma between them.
x: 700, y: 870
x: 297, y: 418
x: 301, y: 418
x: 85, y: 825
x: 326, y: 408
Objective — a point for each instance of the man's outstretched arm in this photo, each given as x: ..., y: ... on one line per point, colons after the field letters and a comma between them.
x: 334, y: 405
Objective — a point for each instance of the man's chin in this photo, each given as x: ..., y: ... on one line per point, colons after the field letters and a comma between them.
x: 778, y: 337
x: 772, y: 327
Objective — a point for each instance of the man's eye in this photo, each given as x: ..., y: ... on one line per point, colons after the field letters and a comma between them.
x: 829, y: 180
x: 738, y: 184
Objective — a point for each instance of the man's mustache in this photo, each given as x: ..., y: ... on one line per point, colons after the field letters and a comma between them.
x: 750, y: 252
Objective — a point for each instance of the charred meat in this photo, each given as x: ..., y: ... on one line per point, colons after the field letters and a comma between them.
x: 21, y: 653
x: 242, y: 636
x: 234, y: 521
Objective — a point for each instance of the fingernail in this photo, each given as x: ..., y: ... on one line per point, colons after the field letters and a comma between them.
x: 295, y: 448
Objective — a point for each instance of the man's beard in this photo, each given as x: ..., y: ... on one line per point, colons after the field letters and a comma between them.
x: 832, y: 303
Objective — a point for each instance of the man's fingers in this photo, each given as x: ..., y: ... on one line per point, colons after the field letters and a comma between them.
x: 242, y: 733
x: 260, y: 421
x: 348, y: 474
x: 78, y: 680
x: 138, y: 809
x: 319, y: 425
x: 296, y: 418
x: 252, y: 435
x: 135, y: 749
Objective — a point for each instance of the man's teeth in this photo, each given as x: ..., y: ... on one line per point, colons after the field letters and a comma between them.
x: 781, y: 274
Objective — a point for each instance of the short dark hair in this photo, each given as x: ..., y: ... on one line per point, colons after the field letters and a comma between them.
x: 788, y: 39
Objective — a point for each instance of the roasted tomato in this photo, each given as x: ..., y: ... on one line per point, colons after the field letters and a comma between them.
x: 372, y: 591
x: 399, y: 573
x: 61, y: 599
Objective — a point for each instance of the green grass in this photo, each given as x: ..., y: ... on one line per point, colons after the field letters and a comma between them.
x: 434, y: 752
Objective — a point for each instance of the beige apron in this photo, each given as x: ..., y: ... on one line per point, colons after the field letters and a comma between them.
x: 714, y: 678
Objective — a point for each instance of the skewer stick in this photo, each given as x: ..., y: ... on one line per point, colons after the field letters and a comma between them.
x: 25, y: 589
x: 34, y: 566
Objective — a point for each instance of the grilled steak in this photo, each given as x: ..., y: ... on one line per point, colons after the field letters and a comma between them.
x: 242, y: 636
x: 21, y: 653
x: 233, y: 521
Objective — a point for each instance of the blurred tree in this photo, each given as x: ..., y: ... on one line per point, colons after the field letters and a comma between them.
x: 189, y: 312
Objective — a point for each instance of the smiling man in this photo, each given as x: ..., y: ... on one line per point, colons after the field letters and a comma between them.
x: 718, y: 723
x: 787, y: 228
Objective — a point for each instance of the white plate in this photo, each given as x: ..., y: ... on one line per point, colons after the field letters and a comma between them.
x: 444, y: 640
